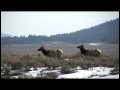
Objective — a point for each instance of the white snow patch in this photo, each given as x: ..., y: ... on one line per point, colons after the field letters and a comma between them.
x: 35, y: 72
x: 91, y: 73
x: 95, y: 71
x: 107, y: 77
x: 39, y: 71
x: 66, y: 59
x: 95, y: 43
x: 47, y: 44
x: 14, y: 77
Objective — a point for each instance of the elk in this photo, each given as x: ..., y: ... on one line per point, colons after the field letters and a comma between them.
x: 57, y: 53
x: 88, y: 52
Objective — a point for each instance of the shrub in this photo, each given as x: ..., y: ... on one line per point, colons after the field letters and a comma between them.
x: 25, y: 62
x: 49, y: 75
x: 115, y: 71
x: 66, y: 69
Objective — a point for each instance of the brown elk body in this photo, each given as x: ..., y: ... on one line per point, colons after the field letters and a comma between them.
x: 88, y: 52
x: 51, y: 53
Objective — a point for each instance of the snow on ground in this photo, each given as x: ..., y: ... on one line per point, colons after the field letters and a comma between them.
x: 95, y: 72
x: 34, y: 73
x: 107, y: 77
x: 91, y: 73
x: 39, y: 71
x: 95, y: 43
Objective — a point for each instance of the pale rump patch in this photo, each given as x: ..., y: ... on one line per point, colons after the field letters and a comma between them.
x: 99, y: 50
x: 60, y: 50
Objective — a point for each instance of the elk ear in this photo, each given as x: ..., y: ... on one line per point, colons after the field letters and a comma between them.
x: 43, y: 46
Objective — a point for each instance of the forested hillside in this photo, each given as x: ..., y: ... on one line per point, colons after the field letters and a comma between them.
x: 105, y: 32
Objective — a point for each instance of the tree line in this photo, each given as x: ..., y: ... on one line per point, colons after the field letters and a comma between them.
x: 105, y: 32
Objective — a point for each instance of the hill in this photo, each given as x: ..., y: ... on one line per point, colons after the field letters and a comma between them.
x: 106, y: 32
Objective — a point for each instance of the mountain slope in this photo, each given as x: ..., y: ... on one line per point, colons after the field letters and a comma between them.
x: 105, y: 32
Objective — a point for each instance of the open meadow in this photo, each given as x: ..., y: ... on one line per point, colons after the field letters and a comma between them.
x: 17, y: 60
x: 68, y: 48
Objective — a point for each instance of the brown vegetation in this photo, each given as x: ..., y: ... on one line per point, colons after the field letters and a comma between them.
x: 24, y: 60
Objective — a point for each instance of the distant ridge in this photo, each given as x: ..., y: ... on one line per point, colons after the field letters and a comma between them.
x: 106, y: 32
x: 5, y: 35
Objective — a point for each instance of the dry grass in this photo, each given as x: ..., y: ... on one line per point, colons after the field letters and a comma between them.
x: 23, y: 62
x: 17, y: 62
x: 68, y: 48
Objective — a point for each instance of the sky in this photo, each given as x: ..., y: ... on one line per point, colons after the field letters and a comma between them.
x: 17, y: 23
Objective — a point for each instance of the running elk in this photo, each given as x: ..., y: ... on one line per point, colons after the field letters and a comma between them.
x: 88, y: 52
x: 51, y: 53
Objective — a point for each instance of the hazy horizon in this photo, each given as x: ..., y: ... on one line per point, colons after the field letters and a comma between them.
x: 50, y: 23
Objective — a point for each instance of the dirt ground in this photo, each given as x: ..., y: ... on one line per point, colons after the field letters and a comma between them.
x: 68, y: 48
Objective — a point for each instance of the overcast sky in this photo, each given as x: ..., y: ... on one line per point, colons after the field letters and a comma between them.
x: 50, y: 23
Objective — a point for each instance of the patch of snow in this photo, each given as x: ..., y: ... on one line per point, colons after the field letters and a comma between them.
x: 2, y: 73
x: 107, y: 77
x: 47, y: 44
x: 95, y: 43
x: 91, y: 73
x: 15, y: 77
x: 78, y: 67
x: 35, y: 72
x: 95, y: 71
x: 5, y: 45
x: 66, y: 59
x: 55, y: 71
x: 78, y: 74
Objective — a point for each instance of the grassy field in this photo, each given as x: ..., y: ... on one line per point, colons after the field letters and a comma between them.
x: 68, y: 49
x: 23, y: 57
